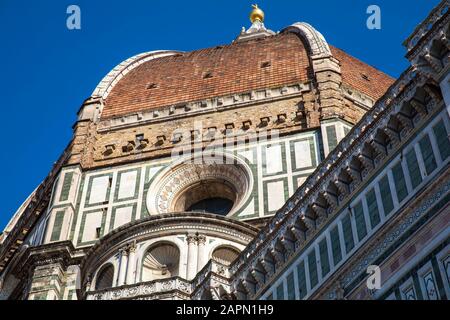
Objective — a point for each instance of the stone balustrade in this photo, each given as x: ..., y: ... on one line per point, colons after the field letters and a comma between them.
x: 210, y: 277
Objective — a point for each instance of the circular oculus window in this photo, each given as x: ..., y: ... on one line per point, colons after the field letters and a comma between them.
x: 219, y: 188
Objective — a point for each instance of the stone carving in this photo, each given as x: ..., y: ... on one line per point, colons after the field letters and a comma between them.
x: 143, y: 289
x: 179, y: 178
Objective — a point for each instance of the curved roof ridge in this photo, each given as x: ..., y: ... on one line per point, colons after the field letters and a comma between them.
x: 317, y: 44
x: 105, y: 86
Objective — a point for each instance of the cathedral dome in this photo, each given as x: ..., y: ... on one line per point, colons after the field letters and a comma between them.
x: 265, y: 169
x: 160, y: 79
x: 183, y: 77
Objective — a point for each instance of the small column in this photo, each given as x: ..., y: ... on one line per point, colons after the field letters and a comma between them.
x: 122, y: 267
x: 192, y: 256
x: 131, y: 272
x: 202, y: 258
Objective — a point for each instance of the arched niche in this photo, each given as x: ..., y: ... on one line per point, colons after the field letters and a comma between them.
x: 105, y: 277
x: 225, y: 254
x: 160, y: 261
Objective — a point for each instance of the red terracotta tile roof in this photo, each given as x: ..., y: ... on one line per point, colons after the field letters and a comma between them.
x: 234, y: 68
x: 230, y: 69
x: 362, y: 76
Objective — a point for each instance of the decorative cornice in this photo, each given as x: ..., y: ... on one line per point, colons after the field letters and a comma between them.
x: 195, y: 108
x: 421, y: 31
x: 61, y: 252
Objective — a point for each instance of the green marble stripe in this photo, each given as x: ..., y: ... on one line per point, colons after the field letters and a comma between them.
x: 67, y: 183
x: 57, y: 226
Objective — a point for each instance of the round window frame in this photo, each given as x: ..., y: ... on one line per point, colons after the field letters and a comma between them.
x: 167, y: 176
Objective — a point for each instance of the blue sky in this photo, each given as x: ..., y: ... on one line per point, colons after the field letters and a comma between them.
x: 47, y: 70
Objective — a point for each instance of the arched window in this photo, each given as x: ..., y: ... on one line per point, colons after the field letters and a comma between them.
x: 208, y: 196
x: 105, y: 277
x: 161, y: 261
x: 216, y: 205
x: 225, y: 254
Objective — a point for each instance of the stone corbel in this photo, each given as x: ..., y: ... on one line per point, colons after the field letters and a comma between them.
x: 129, y: 146
x: 109, y: 149
x: 281, y: 118
x: 246, y: 124
x: 264, y: 121
x: 434, y: 62
x: 160, y: 140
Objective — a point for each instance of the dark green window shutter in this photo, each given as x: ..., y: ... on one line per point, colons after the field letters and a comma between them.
x: 427, y: 154
x: 66, y: 186
x: 312, y: 150
x: 413, y: 168
x: 336, y: 245
x: 280, y: 291
x: 290, y: 286
x: 399, y: 181
x: 386, y: 196
x: 440, y: 132
x: 374, y: 214
x: 301, y: 276
x: 57, y: 225
x: 312, y: 265
x: 348, y: 235
x: 324, y: 261
x: 361, y: 229
x: 332, y: 137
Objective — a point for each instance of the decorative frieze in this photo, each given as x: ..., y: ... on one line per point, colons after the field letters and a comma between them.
x: 144, y: 290
x: 200, y: 107
x: 423, y: 29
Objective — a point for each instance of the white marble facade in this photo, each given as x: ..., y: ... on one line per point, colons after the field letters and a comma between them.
x: 96, y: 202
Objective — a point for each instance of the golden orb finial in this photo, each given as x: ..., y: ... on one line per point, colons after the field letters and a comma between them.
x: 256, y: 14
